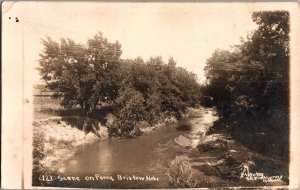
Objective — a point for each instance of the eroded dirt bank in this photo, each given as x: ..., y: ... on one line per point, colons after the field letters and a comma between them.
x: 59, y: 140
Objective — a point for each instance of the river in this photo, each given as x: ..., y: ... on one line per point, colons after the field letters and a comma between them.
x: 146, y: 155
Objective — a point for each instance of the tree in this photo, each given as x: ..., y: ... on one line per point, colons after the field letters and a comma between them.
x: 92, y: 74
x: 221, y: 74
x: 250, y: 84
x: 128, y: 113
x: 81, y: 75
x: 104, y: 58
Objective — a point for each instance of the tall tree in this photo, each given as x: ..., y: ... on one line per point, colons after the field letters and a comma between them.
x: 81, y: 75
x: 250, y: 84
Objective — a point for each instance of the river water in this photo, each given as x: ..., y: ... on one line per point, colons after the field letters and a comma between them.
x: 144, y: 156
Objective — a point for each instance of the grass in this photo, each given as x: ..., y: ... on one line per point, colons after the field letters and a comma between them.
x: 45, y: 107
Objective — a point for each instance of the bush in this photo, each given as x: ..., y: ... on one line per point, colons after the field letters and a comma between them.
x: 153, y: 109
x: 180, y: 173
x: 129, y: 112
x: 38, y: 169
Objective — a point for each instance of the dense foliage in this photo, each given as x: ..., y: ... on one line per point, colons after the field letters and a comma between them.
x: 81, y: 75
x: 249, y: 85
x: 93, y: 75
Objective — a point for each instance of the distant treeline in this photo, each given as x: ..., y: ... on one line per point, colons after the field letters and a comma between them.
x: 250, y: 85
x: 93, y: 75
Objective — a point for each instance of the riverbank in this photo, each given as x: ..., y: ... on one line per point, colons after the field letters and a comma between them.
x: 216, y: 159
x: 210, y: 158
x: 59, y: 140
x: 234, y: 164
x: 56, y: 139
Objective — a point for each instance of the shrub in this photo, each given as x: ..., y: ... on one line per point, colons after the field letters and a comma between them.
x: 180, y: 173
x: 153, y: 109
x: 38, y: 169
x: 129, y: 112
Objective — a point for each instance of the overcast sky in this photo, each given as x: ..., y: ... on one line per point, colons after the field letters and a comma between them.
x: 189, y: 32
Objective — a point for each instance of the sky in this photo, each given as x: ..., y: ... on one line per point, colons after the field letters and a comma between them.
x: 188, y: 32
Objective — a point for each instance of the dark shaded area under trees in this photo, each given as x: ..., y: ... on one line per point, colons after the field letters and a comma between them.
x: 250, y: 85
x: 93, y: 76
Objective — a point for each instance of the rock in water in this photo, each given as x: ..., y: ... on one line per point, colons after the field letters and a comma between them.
x: 183, y: 141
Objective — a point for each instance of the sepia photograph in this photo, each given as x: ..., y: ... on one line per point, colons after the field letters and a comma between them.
x: 154, y: 95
